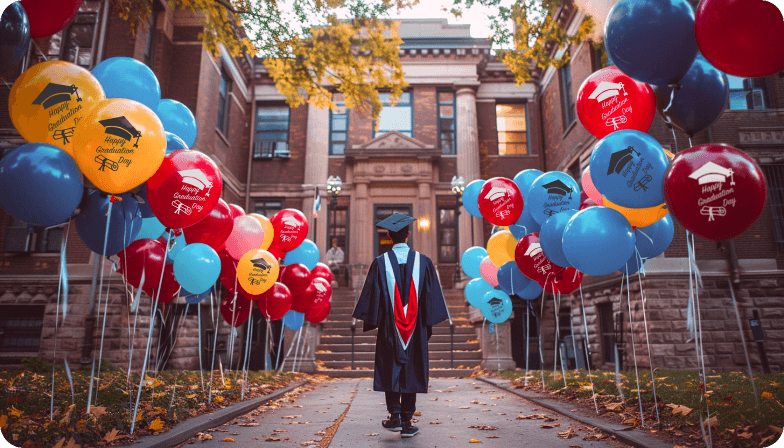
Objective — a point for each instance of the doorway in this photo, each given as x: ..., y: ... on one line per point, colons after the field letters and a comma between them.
x: 382, y: 243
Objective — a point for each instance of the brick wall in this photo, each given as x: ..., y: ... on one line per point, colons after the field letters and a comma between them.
x: 275, y: 172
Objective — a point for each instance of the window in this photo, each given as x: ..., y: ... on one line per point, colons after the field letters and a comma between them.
x: 223, y: 103
x: 338, y: 126
x: 446, y: 122
x: 774, y: 174
x: 447, y: 235
x: 749, y: 93
x: 272, y: 132
x: 20, y: 328
x: 19, y: 237
x: 512, y: 129
x: 149, y: 45
x: 598, y: 56
x: 268, y: 207
x: 567, y: 100
x: 395, y: 118
x: 337, y: 227
x: 607, y: 328
x: 78, y: 39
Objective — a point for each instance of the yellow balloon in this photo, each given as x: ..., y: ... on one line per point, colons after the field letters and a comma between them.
x: 119, y: 145
x: 47, y: 102
x: 640, y: 217
x: 501, y: 247
x: 257, y: 271
x: 269, y: 232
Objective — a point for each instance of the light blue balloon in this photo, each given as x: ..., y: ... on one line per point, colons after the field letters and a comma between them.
x: 197, y: 267
x: 471, y: 197
x: 511, y: 280
x: 306, y: 253
x: 532, y: 292
x: 177, y: 119
x: 174, y: 143
x: 123, y: 77
x: 177, y: 245
x: 497, y: 306
x: 525, y: 225
x: 475, y: 290
x: 550, y: 237
x: 524, y: 179
x: 294, y: 320
x: 194, y: 299
x: 654, y: 239
x: 151, y: 229
x: 551, y: 193
x: 471, y: 260
x: 628, y: 168
x: 598, y: 241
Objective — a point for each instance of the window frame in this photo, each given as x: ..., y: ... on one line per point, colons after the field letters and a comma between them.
x: 456, y: 226
x: 568, y: 102
x: 260, y: 154
x: 332, y: 116
x: 410, y: 105
x: 774, y: 175
x: 527, y: 128
x: 81, y: 18
x: 606, y: 330
x: 453, y: 131
x: 224, y: 102
x: 343, y: 240
x: 37, y: 238
x: 767, y: 96
x: 261, y: 206
x: 28, y: 313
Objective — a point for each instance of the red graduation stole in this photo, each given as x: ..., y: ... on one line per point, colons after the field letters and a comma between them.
x: 406, y: 316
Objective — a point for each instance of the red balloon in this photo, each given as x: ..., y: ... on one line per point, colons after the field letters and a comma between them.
x: 715, y: 191
x: 610, y: 100
x: 148, y: 256
x: 316, y: 315
x: 47, y: 17
x: 185, y: 188
x: 500, y: 201
x: 297, y: 277
x: 565, y: 282
x: 744, y: 39
x: 276, y: 251
x: 303, y: 301
x: 291, y: 228
x: 275, y: 302
x: 323, y: 292
x: 323, y: 271
x: 236, y: 211
x: 213, y: 229
x: 228, y: 273
x: 235, y: 309
x: 531, y: 260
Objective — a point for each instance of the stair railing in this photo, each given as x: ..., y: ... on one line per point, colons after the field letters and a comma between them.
x: 354, y: 329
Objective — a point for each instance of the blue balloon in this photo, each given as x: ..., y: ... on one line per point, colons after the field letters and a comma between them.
x: 551, y: 235
x: 552, y: 192
x: 497, y: 306
x: 511, y: 280
x: 525, y: 224
x: 176, y: 246
x: 628, y: 168
x: 651, y: 40
x: 524, y: 179
x: 654, y: 239
x: 151, y: 229
x: 177, y: 119
x: 598, y: 241
x: 174, y: 143
x: 700, y: 100
x: 294, y: 320
x: 633, y: 265
x: 14, y: 35
x: 194, y: 299
x: 306, y: 253
x: 197, y: 267
x: 475, y: 290
x: 144, y: 204
x: 471, y: 197
x: 532, y: 292
x: 123, y: 77
x: 40, y: 184
x: 124, y: 225
x: 471, y: 260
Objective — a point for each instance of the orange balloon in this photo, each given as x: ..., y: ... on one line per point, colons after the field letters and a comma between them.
x: 640, y: 217
x: 119, y: 145
x: 257, y: 271
x: 47, y: 102
x: 269, y: 232
x: 501, y: 247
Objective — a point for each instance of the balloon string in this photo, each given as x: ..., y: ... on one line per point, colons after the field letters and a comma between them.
x: 618, y: 382
x: 690, y: 145
x: 280, y: 347
x: 201, y: 365
x: 6, y: 84
x: 527, y: 337
x: 245, y: 361
x: 585, y: 346
x: 497, y: 357
x: 701, y: 352
x: 634, y: 353
x: 539, y: 328
x: 648, y: 342
x: 63, y: 244
x: 674, y: 138
x: 216, y: 325
x: 103, y: 331
x: 39, y: 50
x: 743, y: 340
x: 132, y: 336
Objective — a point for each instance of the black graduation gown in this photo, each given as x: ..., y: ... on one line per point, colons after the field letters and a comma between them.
x: 401, y: 363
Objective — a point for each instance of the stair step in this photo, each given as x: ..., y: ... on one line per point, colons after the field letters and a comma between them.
x: 371, y: 347
x: 345, y: 330
x: 463, y: 357
x: 433, y: 364
x: 434, y: 373
x: 371, y: 339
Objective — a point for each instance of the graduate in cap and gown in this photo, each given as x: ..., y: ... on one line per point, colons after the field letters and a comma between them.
x: 401, y: 297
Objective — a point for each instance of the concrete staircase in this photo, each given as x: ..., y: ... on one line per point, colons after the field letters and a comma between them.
x: 333, y: 354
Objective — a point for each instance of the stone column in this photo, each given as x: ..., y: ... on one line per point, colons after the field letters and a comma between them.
x: 468, y: 160
x: 496, y: 346
x: 361, y: 241
x: 302, y: 344
x: 316, y: 166
x: 426, y: 239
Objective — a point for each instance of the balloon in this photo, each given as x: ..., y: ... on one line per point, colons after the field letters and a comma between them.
x: 639, y: 217
x: 276, y: 302
x: 123, y: 77
x: 471, y: 260
x: 177, y: 119
x: 269, y: 232
x: 323, y: 292
x: 564, y: 282
x: 151, y: 229
x: 500, y: 201
x: 633, y: 265
x: 119, y: 145
x: 471, y: 197
x: 475, y: 290
x: 246, y: 234
x: 185, y: 189
x: 197, y: 267
x: 236, y: 210
x: 628, y: 167
x: 587, y: 203
x: 50, y: 99
x: 497, y: 306
x: 214, y: 229
x: 315, y: 316
x: 47, y: 17
x: 173, y: 143
x: 654, y: 239
x: 228, y: 274
x: 715, y: 191
x: 236, y: 310
x: 257, y: 271
x: 551, y: 193
x: 315, y: 294
x: 306, y: 253
x: 524, y: 179
x: 532, y: 292
x: 148, y: 257
x: 742, y: 39
x: 590, y: 189
x: 14, y: 36
x: 598, y: 241
x: 524, y: 225
x: 501, y: 247
x: 297, y: 277
x: 291, y: 228
x: 651, y: 40
x: 700, y: 100
x: 550, y: 237
x: 39, y: 184
x: 194, y: 299
x: 144, y: 204
x: 511, y: 280
x: 323, y: 271
x: 489, y: 271
x: 124, y: 225
x: 532, y: 261
x: 610, y: 100
x: 294, y: 320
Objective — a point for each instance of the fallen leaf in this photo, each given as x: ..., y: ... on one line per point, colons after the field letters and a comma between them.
x: 567, y: 434
x: 3, y: 421
x: 713, y: 421
x: 372, y: 435
x: 464, y: 407
x: 435, y: 423
x: 248, y: 424
x: 484, y: 427
x: 292, y: 416
x: 60, y: 443
x: 434, y: 399
x: 575, y: 446
x: 446, y: 399
x: 767, y: 396
x: 550, y: 426
x: 204, y: 436
x: 493, y: 437
x: 280, y: 430
x: 97, y: 410
x: 156, y: 425
x: 418, y: 414
x: 775, y: 429
x: 502, y: 413
x: 17, y: 413
x: 227, y: 439
x: 474, y: 441
x: 111, y: 436
x: 678, y: 409
x: 72, y: 444
x: 297, y: 405
x: 615, y: 407
x: 219, y: 399
x: 272, y: 439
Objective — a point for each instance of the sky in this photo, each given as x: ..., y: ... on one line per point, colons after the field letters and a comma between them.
x: 430, y: 9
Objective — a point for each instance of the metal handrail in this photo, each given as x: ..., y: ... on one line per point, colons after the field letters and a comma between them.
x: 354, y: 329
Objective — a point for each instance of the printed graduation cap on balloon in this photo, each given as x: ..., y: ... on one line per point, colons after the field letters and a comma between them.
x: 121, y: 127
x: 558, y: 187
x: 261, y: 264
x: 54, y: 94
x: 396, y: 222
x: 619, y: 159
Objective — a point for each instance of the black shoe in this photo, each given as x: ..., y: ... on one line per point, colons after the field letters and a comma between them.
x: 392, y: 423
x: 409, y: 430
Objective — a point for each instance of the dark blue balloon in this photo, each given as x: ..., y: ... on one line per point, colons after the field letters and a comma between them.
x: 532, y: 292
x: 634, y: 264
x: 294, y: 320
x: 524, y: 179
x: 123, y: 77
x: 177, y: 119
x: 192, y: 298
x: 511, y: 280
x: 551, y: 235
x: 525, y: 224
x: 124, y: 225
x: 551, y: 193
x: 471, y: 197
x: 654, y: 239
x: 651, y: 40
x: 700, y: 100
x: 144, y: 204
x: 14, y: 35
x: 40, y: 184
x: 173, y: 143
x: 598, y: 241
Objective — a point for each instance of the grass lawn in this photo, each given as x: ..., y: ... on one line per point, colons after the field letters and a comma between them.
x: 736, y: 418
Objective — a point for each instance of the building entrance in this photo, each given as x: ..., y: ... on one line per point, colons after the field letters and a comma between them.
x: 382, y: 243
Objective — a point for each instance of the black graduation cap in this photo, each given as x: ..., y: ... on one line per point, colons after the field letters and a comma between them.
x: 396, y: 222
x: 56, y: 94
x: 121, y: 127
x: 261, y: 264
x: 558, y: 187
x: 495, y: 301
x: 619, y: 159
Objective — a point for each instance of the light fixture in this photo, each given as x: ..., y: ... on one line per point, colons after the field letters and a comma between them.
x: 424, y: 223
x: 458, y: 185
x: 334, y: 185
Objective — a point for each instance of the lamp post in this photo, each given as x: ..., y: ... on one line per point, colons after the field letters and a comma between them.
x: 334, y: 185
x: 458, y: 186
